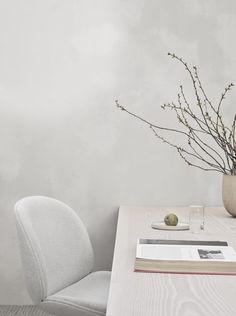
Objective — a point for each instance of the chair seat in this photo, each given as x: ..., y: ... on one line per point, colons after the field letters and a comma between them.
x: 87, y: 297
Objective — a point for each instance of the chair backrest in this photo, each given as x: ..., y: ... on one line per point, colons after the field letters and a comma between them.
x: 55, y: 247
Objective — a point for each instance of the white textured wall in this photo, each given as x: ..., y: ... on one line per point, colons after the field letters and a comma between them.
x: 62, y: 65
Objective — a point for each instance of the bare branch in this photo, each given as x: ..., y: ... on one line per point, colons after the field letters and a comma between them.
x: 182, y: 150
x: 199, y: 123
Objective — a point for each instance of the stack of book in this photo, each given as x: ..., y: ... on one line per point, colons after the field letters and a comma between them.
x: 185, y: 256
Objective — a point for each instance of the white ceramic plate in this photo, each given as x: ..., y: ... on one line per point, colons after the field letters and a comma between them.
x: 163, y: 226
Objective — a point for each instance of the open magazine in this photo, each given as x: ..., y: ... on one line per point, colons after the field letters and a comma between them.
x: 173, y: 256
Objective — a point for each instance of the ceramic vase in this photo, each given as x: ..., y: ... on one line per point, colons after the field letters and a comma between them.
x: 229, y: 193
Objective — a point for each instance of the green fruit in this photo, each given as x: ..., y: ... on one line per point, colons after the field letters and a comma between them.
x: 171, y: 219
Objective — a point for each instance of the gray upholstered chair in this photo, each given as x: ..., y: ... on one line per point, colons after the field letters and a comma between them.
x: 57, y: 259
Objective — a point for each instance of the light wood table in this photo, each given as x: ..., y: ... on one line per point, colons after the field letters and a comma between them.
x: 158, y: 294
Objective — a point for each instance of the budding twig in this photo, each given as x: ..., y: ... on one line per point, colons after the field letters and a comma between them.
x: 201, y: 124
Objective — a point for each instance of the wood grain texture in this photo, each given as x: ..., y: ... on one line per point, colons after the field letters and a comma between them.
x: 156, y: 294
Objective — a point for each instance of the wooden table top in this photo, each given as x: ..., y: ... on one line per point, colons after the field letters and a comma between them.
x: 159, y: 294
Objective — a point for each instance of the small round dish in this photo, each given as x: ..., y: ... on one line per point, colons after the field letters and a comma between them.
x: 163, y: 226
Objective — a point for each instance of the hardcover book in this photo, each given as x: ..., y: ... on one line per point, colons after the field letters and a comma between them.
x: 185, y: 256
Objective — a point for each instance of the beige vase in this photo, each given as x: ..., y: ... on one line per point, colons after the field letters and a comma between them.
x: 229, y: 193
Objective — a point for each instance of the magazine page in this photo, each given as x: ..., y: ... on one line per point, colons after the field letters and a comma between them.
x: 185, y: 252
x: 182, y: 242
